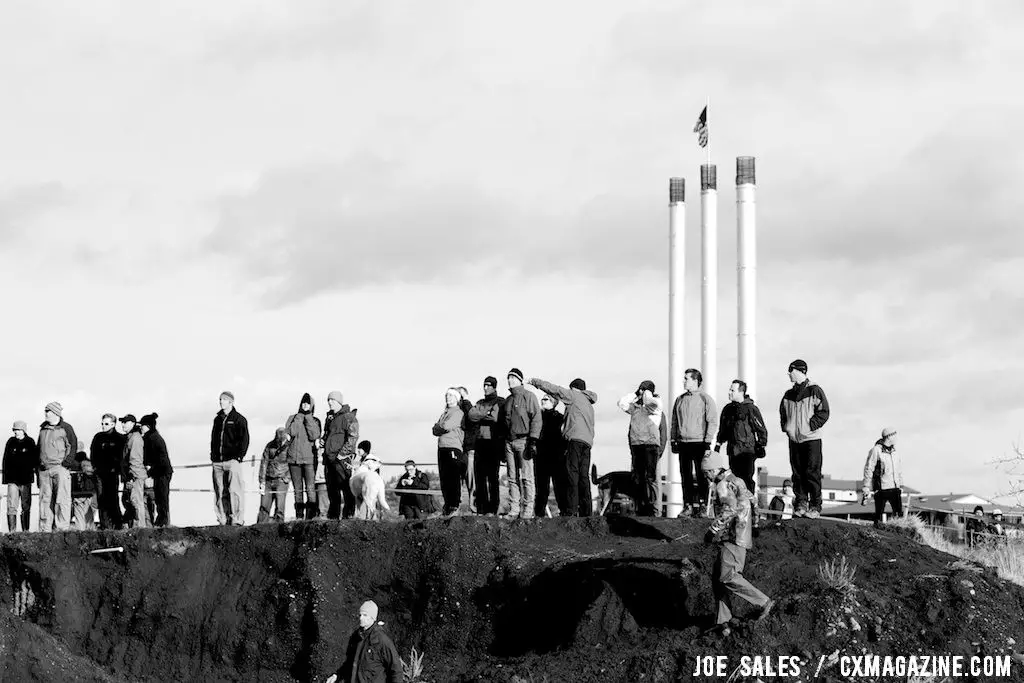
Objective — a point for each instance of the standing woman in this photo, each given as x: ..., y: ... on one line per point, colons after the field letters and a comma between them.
x: 21, y: 460
x: 303, y: 430
x: 158, y: 466
x: 450, y: 431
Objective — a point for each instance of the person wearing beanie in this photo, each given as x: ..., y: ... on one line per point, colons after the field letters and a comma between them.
x: 803, y: 412
x: 522, y: 431
x: 413, y: 505
x: 21, y: 457
x: 883, y: 476
x: 743, y: 428
x: 273, y: 477
x: 134, y: 474
x: 57, y: 443
x: 731, y: 530
x: 449, y: 430
x: 371, y: 656
x: 158, y: 469
x: 489, y: 446
x: 229, y: 444
x: 694, y: 427
x: 107, y: 448
x: 645, y: 444
x: 304, y: 431
x: 341, y: 436
x: 578, y: 433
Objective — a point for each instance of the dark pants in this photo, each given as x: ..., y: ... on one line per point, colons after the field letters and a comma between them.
x: 645, y: 472
x: 742, y: 465
x: 342, y: 500
x: 162, y: 499
x: 274, y: 494
x: 305, y: 492
x: 109, y: 505
x: 805, y: 461
x: 549, y: 471
x: 895, y: 499
x: 450, y: 468
x: 487, y: 459
x: 695, y: 490
x: 578, y: 501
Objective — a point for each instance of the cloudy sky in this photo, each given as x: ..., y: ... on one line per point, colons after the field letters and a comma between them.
x: 391, y: 198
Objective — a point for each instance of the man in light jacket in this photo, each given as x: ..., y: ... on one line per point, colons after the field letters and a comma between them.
x: 645, y: 446
x: 134, y: 473
x: 694, y: 427
x: 57, y: 442
x: 883, y: 476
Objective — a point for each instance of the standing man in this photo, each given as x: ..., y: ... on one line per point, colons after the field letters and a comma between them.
x: 21, y: 458
x: 803, y: 412
x: 522, y: 429
x: 578, y: 432
x: 158, y: 466
x: 341, y: 436
x: 489, y: 419
x: 469, y: 448
x: 694, y: 426
x: 883, y: 476
x: 370, y: 657
x: 550, y: 462
x: 644, y: 409
x: 134, y: 462
x: 57, y: 442
x: 229, y: 442
x: 107, y: 448
x: 731, y: 530
x: 742, y: 426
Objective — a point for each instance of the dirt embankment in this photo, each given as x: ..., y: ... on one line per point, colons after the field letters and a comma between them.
x: 574, y: 600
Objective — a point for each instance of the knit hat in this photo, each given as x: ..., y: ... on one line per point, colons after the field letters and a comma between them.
x: 887, y: 432
x: 365, y: 445
x: 55, y: 408
x: 799, y: 365
x: 490, y: 380
x: 20, y: 424
x: 127, y: 418
x: 713, y: 461
x: 228, y: 394
x: 149, y: 420
x: 578, y: 384
x: 646, y: 385
x: 411, y: 462
x: 336, y: 395
x: 371, y: 609
x: 517, y: 373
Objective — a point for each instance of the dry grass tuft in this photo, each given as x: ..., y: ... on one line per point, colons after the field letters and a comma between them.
x: 413, y: 668
x: 838, y: 576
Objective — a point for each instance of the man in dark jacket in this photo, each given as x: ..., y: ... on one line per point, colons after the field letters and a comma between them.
x: 550, y: 461
x: 21, y: 458
x: 57, y: 442
x: 106, y: 450
x: 803, y: 412
x: 489, y: 446
x: 341, y: 438
x: 742, y: 426
x: 411, y: 505
x: 370, y: 657
x: 158, y: 466
x: 229, y: 442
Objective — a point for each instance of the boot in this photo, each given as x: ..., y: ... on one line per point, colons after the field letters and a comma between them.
x: 300, y: 511
x: 12, y: 523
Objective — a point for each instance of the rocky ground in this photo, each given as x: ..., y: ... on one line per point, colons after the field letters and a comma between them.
x: 600, y: 599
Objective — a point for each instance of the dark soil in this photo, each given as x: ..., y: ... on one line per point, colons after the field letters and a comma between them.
x: 600, y: 599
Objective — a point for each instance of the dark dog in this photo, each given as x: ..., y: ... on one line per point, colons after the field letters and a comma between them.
x: 613, y: 487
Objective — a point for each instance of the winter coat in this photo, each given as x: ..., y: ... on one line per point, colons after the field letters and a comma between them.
x: 579, y: 410
x: 522, y: 414
x: 229, y: 439
x: 732, y: 511
x: 783, y: 503
x: 419, y: 482
x: 370, y: 657
x: 83, y: 477
x: 274, y: 464
x: 21, y: 458
x: 803, y: 412
x: 644, y: 419
x: 341, y: 435
x: 106, y: 451
x: 694, y: 418
x: 134, y: 459
x: 449, y: 428
x: 487, y: 415
x: 743, y: 427
x: 551, y: 441
x: 891, y: 469
x: 56, y: 442
x: 470, y: 428
x: 304, y: 429
x: 155, y: 457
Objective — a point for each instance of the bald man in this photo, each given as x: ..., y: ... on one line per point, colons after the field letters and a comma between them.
x: 371, y: 657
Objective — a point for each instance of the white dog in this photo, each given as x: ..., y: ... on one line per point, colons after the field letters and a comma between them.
x: 368, y: 487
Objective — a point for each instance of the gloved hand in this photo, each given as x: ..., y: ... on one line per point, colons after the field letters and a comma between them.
x: 531, y: 449
x: 718, y: 447
x: 709, y: 537
x: 677, y: 446
x: 863, y: 499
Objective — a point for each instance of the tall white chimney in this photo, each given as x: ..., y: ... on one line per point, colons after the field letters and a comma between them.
x: 746, y: 267
x: 676, y: 296
x: 709, y: 278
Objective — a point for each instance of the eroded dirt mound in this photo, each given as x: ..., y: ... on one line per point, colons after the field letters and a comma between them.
x: 616, y: 599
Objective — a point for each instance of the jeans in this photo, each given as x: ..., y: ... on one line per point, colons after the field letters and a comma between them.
x: 469, y: 478
x: 487, y: 460
x: 55, y: 499
x: 450, y: 468
x: 162, y: 497
x: 228, y: 492
x: 895, y: 499
x: 645, y: 473
x: 727, y: 580
x: 521, y: 483
x: 108, y: 503
x: 274, y: 494
x: 805, y: 461
x: 342, y: 500
x: 695, y: 491
x: 305, y: 491
x: 19, y: 500
x: 578, y: 500
x: 135, y: 503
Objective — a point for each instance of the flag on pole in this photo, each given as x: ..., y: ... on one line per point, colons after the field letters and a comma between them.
x: 701, y: 129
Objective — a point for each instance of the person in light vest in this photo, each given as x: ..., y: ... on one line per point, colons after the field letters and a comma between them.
x: 883, y: 476
x: 783, y: 501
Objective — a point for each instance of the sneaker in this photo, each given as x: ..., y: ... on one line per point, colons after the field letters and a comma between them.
x: 800, y: 511
x: 813, y: 514
x: 765, y: 610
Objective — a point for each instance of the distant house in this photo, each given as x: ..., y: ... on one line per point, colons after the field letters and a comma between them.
x: 834, y: 492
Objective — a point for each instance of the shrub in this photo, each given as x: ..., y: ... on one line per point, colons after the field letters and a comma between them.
x: 838, y: 576
x: 413, y: 668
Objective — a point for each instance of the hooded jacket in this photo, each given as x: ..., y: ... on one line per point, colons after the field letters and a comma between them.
x: 579, y: 410
x: 274, y: 464
x: 106, y: 449
x: 21, y: 458
x: 155, y: 457
x: 370, y: 657
x: 229, y: 439
x: 470, y: 428
x: 644, y: 419
x: 341, y: 436
x: 694, y: 418
x: 134, y: 459
x: 488, y: 416
x: 304, y: 429
x: 803, y: 412
x: 743, y: 427
x: 449, y: 428
x: 891, y: 466
x: 56, y: 442
x: 419, y: 482
x: 732, y: 510
x: 522, y: 414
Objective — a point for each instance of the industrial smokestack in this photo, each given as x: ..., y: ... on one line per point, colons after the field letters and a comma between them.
x: 746, y: 267
x: 676, y: 296
x: 709, y: 277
